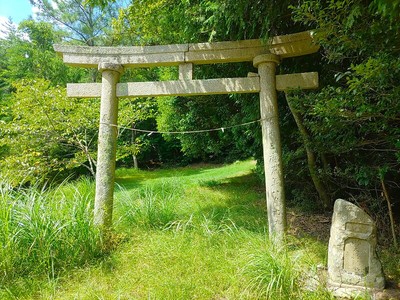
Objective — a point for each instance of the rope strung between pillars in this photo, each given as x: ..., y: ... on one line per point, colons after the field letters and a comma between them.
x: 150, y: 132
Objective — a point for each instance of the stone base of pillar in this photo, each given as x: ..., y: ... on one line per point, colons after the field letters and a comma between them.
x: 351, y: 291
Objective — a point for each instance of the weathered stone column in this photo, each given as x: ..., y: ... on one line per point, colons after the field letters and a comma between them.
x: 105, y: 173
x: 275, y: 194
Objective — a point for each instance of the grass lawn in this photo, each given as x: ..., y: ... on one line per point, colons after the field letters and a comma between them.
x: 190, y: 233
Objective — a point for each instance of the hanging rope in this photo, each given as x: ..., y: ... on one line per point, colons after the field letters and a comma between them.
x: 150, y: 132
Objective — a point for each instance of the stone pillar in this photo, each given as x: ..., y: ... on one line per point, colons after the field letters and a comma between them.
x: 186, y: 71
x: 107, y: 145
x: 272, y: 151
x: 353, y: 266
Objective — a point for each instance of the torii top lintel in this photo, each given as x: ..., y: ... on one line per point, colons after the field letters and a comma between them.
x: 285, y: 46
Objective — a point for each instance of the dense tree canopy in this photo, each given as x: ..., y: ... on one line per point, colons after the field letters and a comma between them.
x: 354, y: 118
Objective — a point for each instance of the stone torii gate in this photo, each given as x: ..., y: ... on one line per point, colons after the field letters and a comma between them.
x: 111, y: 62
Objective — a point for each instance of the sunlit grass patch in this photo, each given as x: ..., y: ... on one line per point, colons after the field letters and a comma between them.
x: 190, y: 175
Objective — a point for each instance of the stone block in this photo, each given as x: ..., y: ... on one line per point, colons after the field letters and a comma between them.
x: 304, y: 81
x: 170, y: 88
x: 353, y: 266
x: 285, y: 46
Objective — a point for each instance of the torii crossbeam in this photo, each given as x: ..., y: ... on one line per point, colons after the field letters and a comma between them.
x: 111, y: 61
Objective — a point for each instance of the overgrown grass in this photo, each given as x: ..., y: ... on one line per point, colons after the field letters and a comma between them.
x: 150, y: 206
x: 190, y: 233
x: 43, y: 233
x: 273, y: 275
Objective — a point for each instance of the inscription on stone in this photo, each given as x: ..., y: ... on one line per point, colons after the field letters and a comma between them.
x: 356, y: 256
x: 357, y: 227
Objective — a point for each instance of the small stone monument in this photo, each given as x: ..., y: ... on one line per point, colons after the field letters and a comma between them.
x: 353, y: 266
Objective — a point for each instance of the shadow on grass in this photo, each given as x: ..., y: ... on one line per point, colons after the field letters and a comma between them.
x: 210, y: 196
x: 131, y: 178
x: 215, y: 203
x: 243, y: 203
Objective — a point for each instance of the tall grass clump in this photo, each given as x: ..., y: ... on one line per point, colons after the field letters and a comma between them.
x: 7, y: 232
x: 151, y: 206
x: 43, y: 232
x: 273, y: 274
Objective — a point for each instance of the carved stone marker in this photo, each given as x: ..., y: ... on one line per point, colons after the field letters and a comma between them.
x: 353, y: 266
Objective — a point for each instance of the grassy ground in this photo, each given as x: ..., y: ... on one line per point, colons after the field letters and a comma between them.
x: 189, y: 233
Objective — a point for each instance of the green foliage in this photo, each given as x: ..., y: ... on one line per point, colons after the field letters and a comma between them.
x: 174, y: 21
x: 179, y: 114
x: 169, y: 21
x: 140, y: 114
x: 48, y: 133
x: 390, y: 8
x: 61, y: 139
x: 348, y: 30
x: 353, y: 120
x: 155, y: 22
x: 84, y: 23
x: 28, y: 53
x: 198, y: 113
x: 100, y: 3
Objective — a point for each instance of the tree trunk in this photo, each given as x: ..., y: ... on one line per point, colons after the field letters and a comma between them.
x: 133, y: 137
x: 389, y: 204
x: 135, y: 162
x: 311, y: 161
